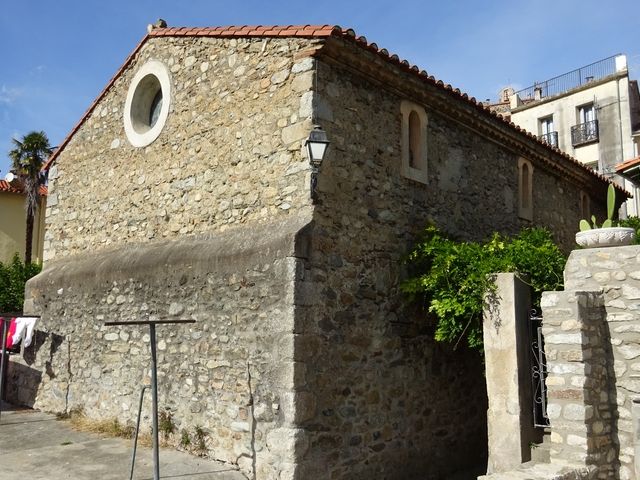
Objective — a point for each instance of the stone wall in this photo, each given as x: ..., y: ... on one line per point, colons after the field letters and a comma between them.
x: 230, y: 373
x: 615, y: 273
x: 580, y: 377
x: 472, y: 183
x: 378, y: 384
x: 578, y: 383
x: 592, y: 350
x: 229, y: 159
x: 389, y: 401
x: 229, y: 154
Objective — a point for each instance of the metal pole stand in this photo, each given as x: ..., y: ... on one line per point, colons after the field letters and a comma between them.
x: 135, y: 438
x: 154, y: 389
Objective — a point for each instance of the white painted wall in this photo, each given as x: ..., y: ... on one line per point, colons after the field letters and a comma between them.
x: 611, y: 99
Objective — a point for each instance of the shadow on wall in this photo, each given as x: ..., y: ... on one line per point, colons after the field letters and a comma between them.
x: 23, y: 381
x: 22, y: 384
x: 610, y: 407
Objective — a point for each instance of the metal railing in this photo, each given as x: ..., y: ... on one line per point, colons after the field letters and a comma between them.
x: 550, y: 138
x: 567, y: 81
x: 584, y: 133
x: 538, y: 371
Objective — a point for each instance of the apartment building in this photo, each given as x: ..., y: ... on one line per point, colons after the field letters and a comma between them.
x: 592, y: 113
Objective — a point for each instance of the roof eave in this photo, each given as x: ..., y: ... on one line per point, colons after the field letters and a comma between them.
x: 515, y: 135
x: 327, y: 31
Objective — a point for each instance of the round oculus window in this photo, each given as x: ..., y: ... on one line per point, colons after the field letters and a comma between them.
x: 147, y: 105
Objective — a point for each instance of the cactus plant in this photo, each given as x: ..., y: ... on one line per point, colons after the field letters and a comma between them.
x: 611, y: 205
x: 584, y: 225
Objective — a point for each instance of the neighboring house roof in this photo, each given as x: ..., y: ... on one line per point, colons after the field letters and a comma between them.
x: 630, y: 169
x: 312, y: 31
x: 16, y: 187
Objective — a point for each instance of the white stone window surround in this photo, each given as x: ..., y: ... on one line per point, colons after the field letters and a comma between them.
x: 525, y: 189
x: 150, y: 78
x: 416, y: 170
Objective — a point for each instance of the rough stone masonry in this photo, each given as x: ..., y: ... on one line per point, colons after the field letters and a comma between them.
x: 305, y: 360
x: 609, y: 282
x: 592, y: 349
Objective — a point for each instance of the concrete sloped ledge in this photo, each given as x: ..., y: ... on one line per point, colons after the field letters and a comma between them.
x: 228, y: 251
x: 239, y: 286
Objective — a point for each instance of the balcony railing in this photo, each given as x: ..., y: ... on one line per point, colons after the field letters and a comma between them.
x: 584, y: 133
x: 551, y: 138
x: 569, y: 80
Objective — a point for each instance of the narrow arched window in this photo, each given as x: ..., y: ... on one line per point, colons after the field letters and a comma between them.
x: 414, y: 141
x: 525, y: 189
x: 585, y: 205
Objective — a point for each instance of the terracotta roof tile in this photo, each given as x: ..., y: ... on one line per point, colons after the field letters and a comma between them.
x: 621, y: 167
x: 311, y: 31
x: 249, y: 30
x: 309, y: 28
x: 16, y: 187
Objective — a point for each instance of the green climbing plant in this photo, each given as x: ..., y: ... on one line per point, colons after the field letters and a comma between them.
x: 452, y: 278
x: 631, y: 222
x: 13, y: 276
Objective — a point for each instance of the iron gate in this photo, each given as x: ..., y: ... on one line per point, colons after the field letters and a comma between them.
x: 538, y: 371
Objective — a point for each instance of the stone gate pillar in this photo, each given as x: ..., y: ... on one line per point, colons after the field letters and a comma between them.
x: 578, y: 382
x: 508, y: 359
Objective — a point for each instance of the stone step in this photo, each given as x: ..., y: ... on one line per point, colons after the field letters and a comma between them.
x: 541, y: 452
x: 545, y: 471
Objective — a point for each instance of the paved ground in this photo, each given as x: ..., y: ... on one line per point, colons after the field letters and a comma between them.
x: 36, y: 446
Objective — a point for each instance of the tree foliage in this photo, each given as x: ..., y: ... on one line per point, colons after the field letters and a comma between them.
x: 13, y: 276
x: 452, y: 278
x: 631, y: 222
x: 27, y: 158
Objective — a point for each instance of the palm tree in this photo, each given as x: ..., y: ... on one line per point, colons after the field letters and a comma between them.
x: 27, y: 158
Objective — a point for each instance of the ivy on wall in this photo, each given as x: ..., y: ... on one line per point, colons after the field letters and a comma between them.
x: 451, y: 278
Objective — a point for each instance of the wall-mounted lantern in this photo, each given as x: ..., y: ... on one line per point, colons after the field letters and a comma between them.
x: 316, y: 144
